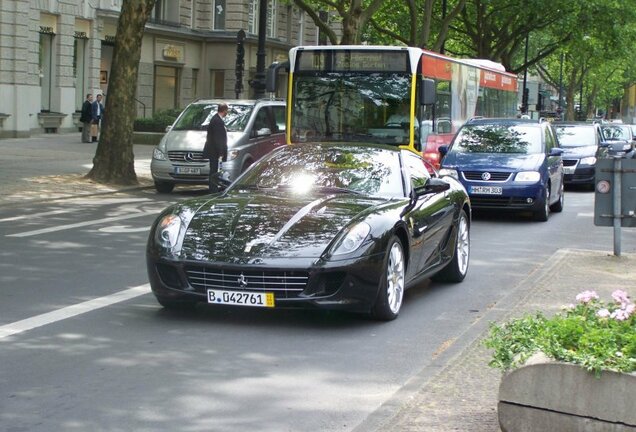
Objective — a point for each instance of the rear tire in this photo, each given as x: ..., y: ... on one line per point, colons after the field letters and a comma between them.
x: 391, y: 289
x: 457, y: 268
x: 164, y: 187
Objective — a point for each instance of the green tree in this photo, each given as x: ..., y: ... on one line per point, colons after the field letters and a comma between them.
x: 354, y: 15
x: 114, y: 159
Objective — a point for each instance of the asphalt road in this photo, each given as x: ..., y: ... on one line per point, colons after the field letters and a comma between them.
x: 121, y: 363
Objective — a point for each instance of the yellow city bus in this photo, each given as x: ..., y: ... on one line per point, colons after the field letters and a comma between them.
x: 402, y: 96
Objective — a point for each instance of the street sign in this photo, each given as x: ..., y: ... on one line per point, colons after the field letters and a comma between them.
x: 615, y: 196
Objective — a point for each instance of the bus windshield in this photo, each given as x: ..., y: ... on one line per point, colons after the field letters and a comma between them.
x: 351, y: 106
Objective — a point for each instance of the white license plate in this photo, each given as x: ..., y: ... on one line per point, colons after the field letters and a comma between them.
x: 486, y: 190
x: 241, y: 298
x: 568, y: 170
x: 187, y: 170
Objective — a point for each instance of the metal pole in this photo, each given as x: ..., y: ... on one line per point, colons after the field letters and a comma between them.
x: 441, y: 51
x: 561, y: 85
x: 259, y: 78
x: 616, y: 196
x: 524, y: 98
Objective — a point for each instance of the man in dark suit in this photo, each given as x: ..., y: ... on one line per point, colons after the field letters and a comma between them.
x: 216, y: 144
x: 85, y: 118
x: 97, y: 114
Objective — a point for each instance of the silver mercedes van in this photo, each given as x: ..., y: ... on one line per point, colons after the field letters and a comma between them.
x: 254, y: 128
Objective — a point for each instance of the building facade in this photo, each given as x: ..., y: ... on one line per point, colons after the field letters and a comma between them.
x: 54, y: 52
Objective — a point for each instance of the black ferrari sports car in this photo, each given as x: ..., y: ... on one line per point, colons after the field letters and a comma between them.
x: 314, y: 225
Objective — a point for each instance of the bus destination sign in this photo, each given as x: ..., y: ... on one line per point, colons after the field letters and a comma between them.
x: 352, y: 61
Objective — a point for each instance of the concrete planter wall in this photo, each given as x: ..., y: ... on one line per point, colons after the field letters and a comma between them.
x: 545, y: 395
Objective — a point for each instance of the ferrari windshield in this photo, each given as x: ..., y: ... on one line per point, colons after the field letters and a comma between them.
x: 328, y: 169
x: 197, y: 117
x: 498, y: 138
x: 353, y: 107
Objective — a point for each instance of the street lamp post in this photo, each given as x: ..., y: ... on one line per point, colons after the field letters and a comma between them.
x: 258, y: 83
x: 524, y: 98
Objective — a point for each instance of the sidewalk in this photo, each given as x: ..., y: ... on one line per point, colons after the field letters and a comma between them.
x: 53, y: 166
x: 462, y: 393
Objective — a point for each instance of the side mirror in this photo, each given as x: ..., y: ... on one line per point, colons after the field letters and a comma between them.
x: 272, y: 73
x: 443, y: 150
x: 168, y: 128
x: 427, y: 92
x: 556, y: 151
x: 433, y: 185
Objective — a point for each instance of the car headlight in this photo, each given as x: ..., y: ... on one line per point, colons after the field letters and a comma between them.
x: 449, y: 172
x: 588, y: 161
x: 158, y: 154
x: 528, y: 176
x: 232, y: 154
x: 353, y: 239
x: 171, y: 229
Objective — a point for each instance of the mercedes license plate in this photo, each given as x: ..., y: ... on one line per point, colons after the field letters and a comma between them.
x: 241, y: 298
x: 486, y: 190
x: 187, y: 170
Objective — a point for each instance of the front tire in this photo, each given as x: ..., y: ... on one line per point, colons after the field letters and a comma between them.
x: 164, y: 187
x: 457, y: 268
x: 391, y: 290
x: 557, y: 207
x: 543, y: 213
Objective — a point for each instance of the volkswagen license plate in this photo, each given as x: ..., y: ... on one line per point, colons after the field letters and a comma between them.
x: 486, y: 190
x: 187, y: 170
x: 568, y: 170
x: 241, y: 298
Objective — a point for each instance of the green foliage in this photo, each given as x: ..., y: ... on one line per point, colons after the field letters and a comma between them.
x: 592, y: 334
x: 158, y: 122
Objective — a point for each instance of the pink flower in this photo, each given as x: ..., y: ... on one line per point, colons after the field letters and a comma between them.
x: 603, y: 313
x: 621, y: 297
x: 620, y: 315
x: 587, y: 296
x: 630, y: 309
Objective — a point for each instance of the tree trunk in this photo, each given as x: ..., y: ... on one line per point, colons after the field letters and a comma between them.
x: 114, y: 161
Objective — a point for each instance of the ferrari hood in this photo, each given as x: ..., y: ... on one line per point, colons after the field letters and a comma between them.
x: 242, y: 227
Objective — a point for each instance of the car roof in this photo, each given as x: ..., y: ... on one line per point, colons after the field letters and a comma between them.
x: 504, y: 121
x: 240, y: 101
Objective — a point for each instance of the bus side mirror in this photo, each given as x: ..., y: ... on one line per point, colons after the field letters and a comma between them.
x: 272, y: 73
x: 427, y: 92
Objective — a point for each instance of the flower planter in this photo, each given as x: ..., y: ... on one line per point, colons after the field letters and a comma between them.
x: 545, y: 395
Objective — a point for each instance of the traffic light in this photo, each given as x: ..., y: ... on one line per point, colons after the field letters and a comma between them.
x: 524, y: 100
x: 540, y: 102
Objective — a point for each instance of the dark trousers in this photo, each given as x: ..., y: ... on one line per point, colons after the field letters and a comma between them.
x: 213, y: 181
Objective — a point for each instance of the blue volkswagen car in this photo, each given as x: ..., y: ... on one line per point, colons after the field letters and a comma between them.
x: 508, y: 164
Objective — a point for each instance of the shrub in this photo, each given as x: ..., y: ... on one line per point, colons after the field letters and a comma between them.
x: 158, y: 122
x: 594, y: 334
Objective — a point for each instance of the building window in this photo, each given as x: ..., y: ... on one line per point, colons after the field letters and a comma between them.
x: 166, y: 12
x: 271, y: 18
x: 46, y: 68
x: 79, y: 69
x: 252, y: 17
x: 218, y: 15
x: 217, y: 83
x: 195, y: 83
x: 166, y: 88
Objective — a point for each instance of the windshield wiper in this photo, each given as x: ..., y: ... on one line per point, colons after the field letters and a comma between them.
x: 335, y: 189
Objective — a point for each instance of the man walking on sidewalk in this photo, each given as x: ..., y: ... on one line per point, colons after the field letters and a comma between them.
x: 97, y: 114
x: 86, y: 117
x: 216, y: 144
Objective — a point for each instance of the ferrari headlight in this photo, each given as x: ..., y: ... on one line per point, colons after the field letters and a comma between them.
x: 587, y: 161
x: 449, y: 172
x: 353, y: 239
x: 528, y: 176
x: 167, y: 231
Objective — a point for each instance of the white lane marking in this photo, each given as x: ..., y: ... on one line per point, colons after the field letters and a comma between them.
x: 79, y: 224
x: 123, y: 229
x: 71, y: 311
x: 36, y: 215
